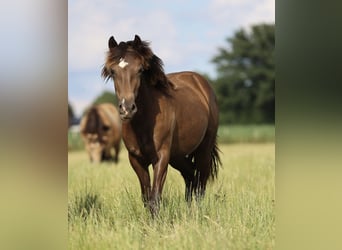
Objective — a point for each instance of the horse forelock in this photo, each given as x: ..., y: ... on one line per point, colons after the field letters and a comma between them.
x: 142, y: 51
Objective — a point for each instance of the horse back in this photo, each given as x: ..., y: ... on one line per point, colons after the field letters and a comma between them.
x: 195, y: 87
x: 196, y: 109
x: 109, y: 115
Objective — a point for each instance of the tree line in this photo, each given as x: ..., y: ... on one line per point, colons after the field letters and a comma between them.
x: 245, y: 81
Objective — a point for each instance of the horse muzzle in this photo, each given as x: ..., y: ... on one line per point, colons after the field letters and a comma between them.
x: 127, y: 109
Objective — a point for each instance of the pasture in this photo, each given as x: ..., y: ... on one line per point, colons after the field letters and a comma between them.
x: 105, y: 210
x: 226, y: 134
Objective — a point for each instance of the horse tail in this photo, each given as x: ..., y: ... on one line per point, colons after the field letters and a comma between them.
x: 215, y: 161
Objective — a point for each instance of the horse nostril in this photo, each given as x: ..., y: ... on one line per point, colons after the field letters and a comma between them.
x: 133, y: 107
x: 120, y: 106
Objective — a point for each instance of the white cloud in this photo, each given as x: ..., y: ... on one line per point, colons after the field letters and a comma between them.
x: 79, y: 104
x: 91, y: 25
x: 89, y: 92
x: 239, y: 13
x: 264, y: 11
x: 86, y: 36
x: 92, y: 22
x: 227, y: 16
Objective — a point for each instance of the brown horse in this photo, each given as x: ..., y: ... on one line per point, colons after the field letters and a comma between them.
x: 101, y: 132
x: 167, y: 119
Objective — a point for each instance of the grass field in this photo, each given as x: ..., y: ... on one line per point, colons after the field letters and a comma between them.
x: 246, y: 133
x: 105, y: 210
x: 226, y: 134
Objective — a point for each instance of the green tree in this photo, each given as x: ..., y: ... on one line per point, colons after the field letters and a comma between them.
x: 104, y: 97
x: 245, y: 84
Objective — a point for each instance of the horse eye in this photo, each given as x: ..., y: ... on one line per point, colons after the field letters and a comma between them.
x: 105, y: 128
x: 112, y: 72
x: 141, y: 70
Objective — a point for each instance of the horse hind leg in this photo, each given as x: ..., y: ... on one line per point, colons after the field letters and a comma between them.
x: 206, y: 160
x: 201, y: 175
x: 185, y: 166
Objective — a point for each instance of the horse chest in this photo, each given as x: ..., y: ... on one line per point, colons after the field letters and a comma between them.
x: 139, y: 144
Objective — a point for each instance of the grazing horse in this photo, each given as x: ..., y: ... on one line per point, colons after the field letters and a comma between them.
x: 167, y: 119
x: 101, y: 132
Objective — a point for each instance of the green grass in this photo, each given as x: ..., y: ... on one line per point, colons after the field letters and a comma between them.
x: 75, y: 141
x: 226, y: 134
x: 105, y: 210
x: 246, y: 133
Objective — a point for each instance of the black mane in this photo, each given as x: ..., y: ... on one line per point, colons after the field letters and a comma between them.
x: 153, y: 71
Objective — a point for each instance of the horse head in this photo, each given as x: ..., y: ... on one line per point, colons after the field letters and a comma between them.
x: 131, y: 64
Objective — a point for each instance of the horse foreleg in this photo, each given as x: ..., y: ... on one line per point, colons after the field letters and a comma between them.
x: 117, y: 150
x: 106, y: 154
x: 159, y: 176
x: 141, y: 169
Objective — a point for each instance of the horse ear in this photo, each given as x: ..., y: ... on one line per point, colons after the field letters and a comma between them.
x: 112, y: 43
x: 137, y: 40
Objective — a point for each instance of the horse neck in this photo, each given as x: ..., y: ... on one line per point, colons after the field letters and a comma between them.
x: 145, y: 98
x: 147, y: 102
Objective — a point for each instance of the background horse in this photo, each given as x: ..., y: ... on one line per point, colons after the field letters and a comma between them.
x: 167, y: 119
x: 101, y: 132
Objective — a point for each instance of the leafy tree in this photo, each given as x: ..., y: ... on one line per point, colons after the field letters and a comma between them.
x: 104, y: 97
x: 245, y: 84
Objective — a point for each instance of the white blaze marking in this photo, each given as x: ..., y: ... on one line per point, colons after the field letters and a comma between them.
x: 123, y: 63
x: 123, y: 107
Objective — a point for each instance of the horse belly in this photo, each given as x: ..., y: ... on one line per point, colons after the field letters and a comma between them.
x: 189, y: 132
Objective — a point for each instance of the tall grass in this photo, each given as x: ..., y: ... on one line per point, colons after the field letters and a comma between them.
x: 105, y: 210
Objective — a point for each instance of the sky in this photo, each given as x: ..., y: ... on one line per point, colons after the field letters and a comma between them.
x: 184, y: 34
